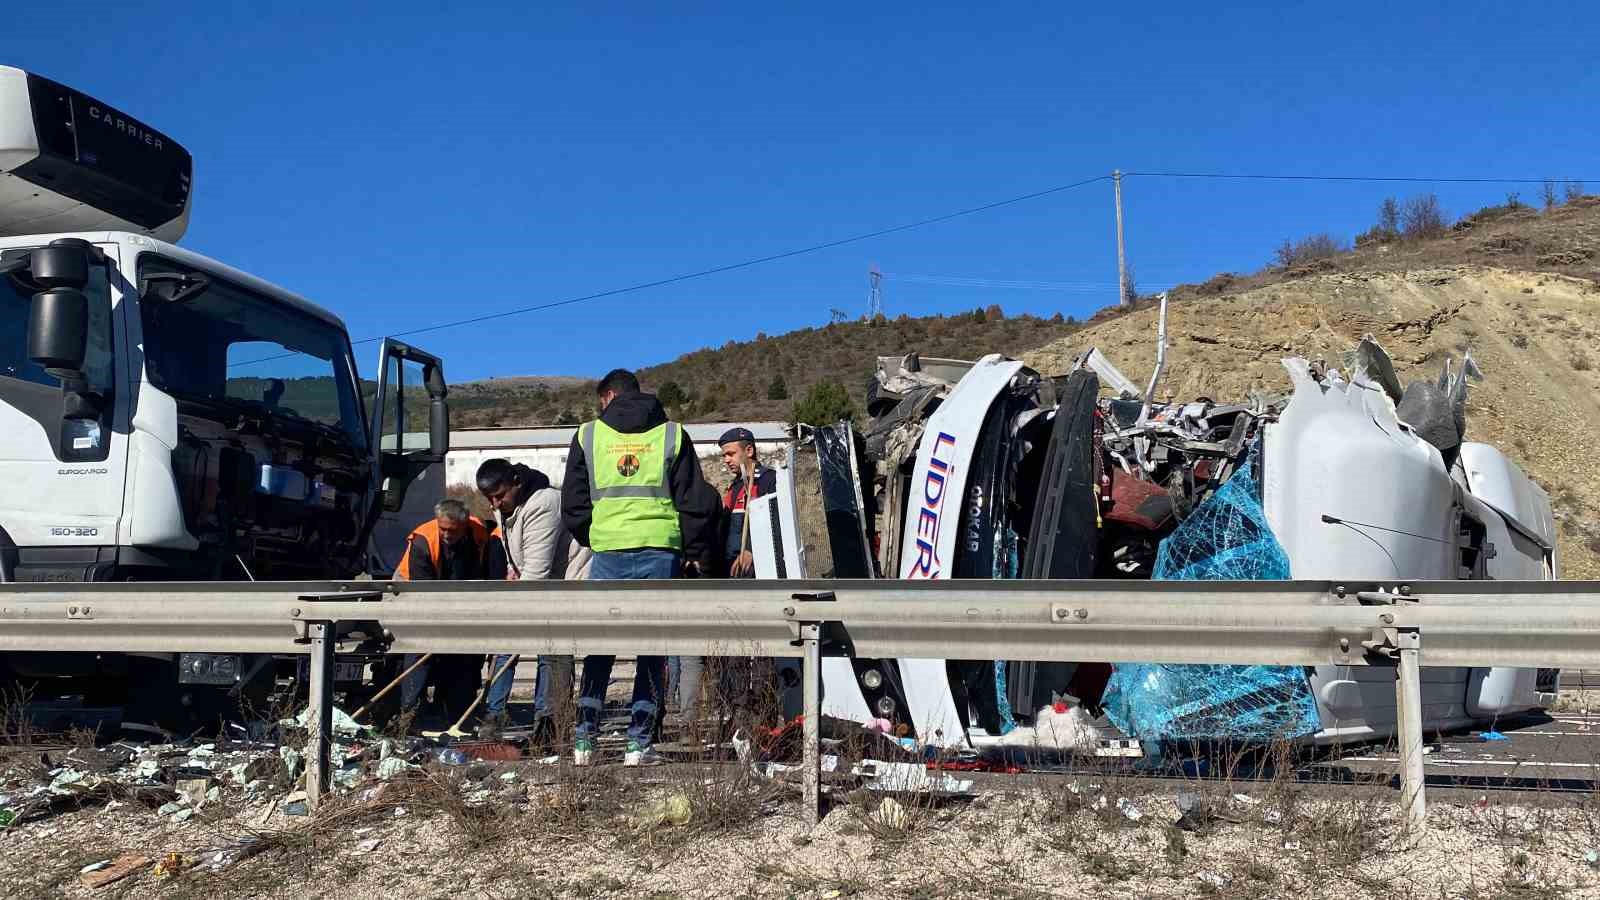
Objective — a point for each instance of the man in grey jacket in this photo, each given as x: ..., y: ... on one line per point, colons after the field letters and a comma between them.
x: 538, y: 546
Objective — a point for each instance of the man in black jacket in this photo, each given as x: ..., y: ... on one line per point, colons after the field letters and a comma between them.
x: 633, y: 493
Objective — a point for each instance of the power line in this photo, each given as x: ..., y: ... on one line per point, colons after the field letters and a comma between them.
x: 1080, y: 287
x: 895, y: 229
x: 745, y: 264
x: 1373, y: 178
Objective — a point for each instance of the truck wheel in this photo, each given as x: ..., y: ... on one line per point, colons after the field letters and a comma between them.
x: 153, y: 700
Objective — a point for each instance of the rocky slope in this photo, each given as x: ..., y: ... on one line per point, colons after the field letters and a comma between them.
x: 1534, y: 336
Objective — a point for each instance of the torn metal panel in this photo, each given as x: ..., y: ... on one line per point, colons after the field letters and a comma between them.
x: 1438, y: 410
x: 1161, y: 360
x: 1502, y: 484
x: 1096, y: 362
x: 1374, y: 362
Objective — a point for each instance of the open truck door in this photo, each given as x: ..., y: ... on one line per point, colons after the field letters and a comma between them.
x: 410, y: 420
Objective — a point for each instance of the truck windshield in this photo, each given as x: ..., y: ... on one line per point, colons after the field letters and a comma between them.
x: 236, y: 347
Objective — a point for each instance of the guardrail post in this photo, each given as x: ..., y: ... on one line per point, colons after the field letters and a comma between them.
x: 811, y: 732
x: 1408, y: 697
x: 807, y: 630
x: 318, y: 748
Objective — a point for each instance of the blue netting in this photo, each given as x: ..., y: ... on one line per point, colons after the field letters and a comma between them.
x: 1225, y: 538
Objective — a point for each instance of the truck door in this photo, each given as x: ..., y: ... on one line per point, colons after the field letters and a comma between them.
x: 410, y: 421
x: 63, y: 436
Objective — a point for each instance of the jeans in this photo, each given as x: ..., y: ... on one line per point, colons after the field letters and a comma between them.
x: 683, y: 679
x: 455, y: 681
x: 554, y: 675
x: 416, y: 683
x: 649, y: 680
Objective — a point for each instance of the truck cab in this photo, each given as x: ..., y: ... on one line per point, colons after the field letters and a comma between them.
x: 164, y: 416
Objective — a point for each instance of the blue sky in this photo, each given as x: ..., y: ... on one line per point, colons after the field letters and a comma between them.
x: 414, y: 168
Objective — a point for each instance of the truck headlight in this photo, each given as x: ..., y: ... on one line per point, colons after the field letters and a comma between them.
x: 886, y: 706
x: 872, y: 679
x: 208, y: 668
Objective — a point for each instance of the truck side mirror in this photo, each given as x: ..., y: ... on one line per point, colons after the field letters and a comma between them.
x: 438, y: 429
x: 58, y: 320
x: 63, y: 264
x: 58, y: 330
x: 438, y: 411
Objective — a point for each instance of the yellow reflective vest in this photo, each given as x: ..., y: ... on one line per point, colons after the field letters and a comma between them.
x: 630, y: 486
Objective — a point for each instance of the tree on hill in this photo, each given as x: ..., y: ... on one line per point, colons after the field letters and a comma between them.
x: 1422, y: 217
x: 826, y: 403
x: 672, y: 394
x: 1308, y: 249
x: 778, y: 390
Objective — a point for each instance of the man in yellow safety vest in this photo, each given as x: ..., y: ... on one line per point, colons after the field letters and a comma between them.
x: 632, y: 493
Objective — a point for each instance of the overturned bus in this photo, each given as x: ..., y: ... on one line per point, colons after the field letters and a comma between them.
x: 986, y: 469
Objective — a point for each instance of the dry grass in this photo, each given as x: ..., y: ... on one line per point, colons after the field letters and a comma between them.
x: 1261, y: 823
x: 569, y: 832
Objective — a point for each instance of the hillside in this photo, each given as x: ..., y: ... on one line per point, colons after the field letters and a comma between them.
x: 736, y: 380
x: 1563, y: 240
x: 1534, y: 335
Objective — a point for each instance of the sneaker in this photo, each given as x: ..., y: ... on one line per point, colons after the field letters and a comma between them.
x: 641, y: 756
x: 583, y: 753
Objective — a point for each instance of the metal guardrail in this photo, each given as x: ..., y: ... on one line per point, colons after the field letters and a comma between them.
x: 1549, y: 624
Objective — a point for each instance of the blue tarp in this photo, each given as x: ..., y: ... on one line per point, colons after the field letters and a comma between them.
x: 1225, y: 538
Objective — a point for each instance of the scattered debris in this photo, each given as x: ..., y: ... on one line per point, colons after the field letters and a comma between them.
x: 1492, y: 736
x: 890, y: 814
x: 193, y: 790
x: 1059, y: 726
x: 1194, y: 814
x: 116, y: 870
x: 910, y: 778
x: 343, y: 725
x: 292, y: 760
x: 171, y: 865
x: 1129, y: 809
x: 671, y: 810
x: 391, y: 767
x: 295, y: 804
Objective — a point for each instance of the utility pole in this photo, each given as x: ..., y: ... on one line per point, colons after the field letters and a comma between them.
x: 874, y: 292
x: 1122, y: 263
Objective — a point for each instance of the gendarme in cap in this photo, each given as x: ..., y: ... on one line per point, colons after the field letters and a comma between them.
x: 737, y: 435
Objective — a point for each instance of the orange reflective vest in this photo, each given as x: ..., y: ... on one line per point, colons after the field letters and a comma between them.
x: 428, y: 533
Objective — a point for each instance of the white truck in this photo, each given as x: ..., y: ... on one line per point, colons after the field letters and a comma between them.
x: 164, y: 417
